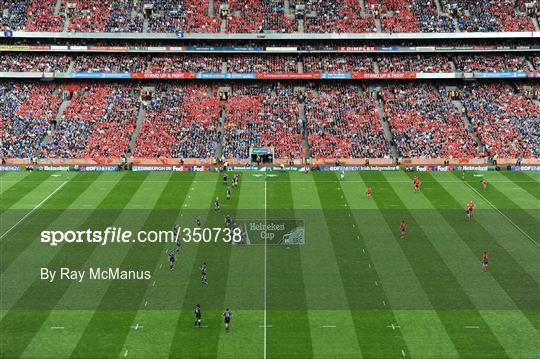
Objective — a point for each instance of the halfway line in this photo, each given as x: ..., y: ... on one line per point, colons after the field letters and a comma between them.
x: 265, y: 243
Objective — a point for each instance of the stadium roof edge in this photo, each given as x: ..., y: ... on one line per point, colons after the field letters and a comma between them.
x: 272, y: 36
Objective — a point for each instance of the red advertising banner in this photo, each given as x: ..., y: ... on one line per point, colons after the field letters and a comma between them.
x: 171, y: 75
x: 270, y: 76
x: 383, y: 75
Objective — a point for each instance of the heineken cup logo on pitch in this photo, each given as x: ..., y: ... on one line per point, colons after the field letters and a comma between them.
x: 273, y: 231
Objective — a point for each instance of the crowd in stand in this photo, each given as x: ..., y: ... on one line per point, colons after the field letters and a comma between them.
x: 395, y: 16
x: 505, y: 13
x: 263, y: 116
x: 87, y: 15
x: 183, y: 15
x: 14, y: 14
x: 41, y: 17
x: 328, y: 16
x: 98, y: 122
x: 405, y: 21
x: 343, y: 122
x: 186, y: 63
x: 429, y: 19
x: 26, y: 111
x: 409, y: 16
x: 262, y: 64
x: 338, y: 63
x: 414, y: 63
x: 249, y: 16
x: 110, y: 63
x: 488, y: 16
x: 491, y: 63
x: 182, y: 121
x: 505, y: 121
x: 120, y: 19
x: 425, y: 123
x: 267, y: 63
x: 255, y: 16
x: 24, y: 62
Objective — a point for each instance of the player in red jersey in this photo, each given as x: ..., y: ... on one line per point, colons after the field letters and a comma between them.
x: 470, y: 209
x: 368, y: 192
x: 402, y: 229
x: 416, y: 183
x: 485, y: 260
x: 484, y: 184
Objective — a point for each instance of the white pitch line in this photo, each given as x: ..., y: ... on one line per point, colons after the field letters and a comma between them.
x: 328, y: 326
x: 125, y: 354
x: 57, y: 327
x: 154, y: 284
x: 363, y: 250
x: 265, y: 250
x: 504, y: 215
x: 34, y: 209
x: 403, y: 352
x: 472, y: 327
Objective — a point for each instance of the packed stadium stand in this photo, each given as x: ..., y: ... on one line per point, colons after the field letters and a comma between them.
x: 263, y: 116
x: 267, y: 63
x: 342, y: 121
x: 350, y: 80
x: 258, y: 16
x: 507, y: 122
x: 98, y: 122
x: 26, y: 111
x: 188, y: 15
x: 425, y: 123
x: 181, y: 121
